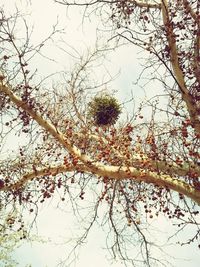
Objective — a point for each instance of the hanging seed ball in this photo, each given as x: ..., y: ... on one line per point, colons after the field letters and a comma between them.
x: 1, y: 183
x: 104, y: 110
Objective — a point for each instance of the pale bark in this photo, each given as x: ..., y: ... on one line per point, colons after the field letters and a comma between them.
x: 174, y: 60
x: 91, y: 166
x: 114, y: 172
x: 145, y: 4
x: 142, y: 4
x: 178, y: 73
x: 164, y: 174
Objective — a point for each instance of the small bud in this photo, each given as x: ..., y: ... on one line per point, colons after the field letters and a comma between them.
x: 1, y: 183
x: 2, y: 77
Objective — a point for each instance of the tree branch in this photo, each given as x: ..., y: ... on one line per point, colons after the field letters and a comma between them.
x: 141, y: 4
x: 177, y: 69
x: 145, y: 4
x: 191, y: 11
x: 43, y: 172
x: 118, y: 173
x: 62, y: 139
x: 99, y: 169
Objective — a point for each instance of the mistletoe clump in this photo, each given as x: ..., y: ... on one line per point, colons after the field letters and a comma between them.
x: 104, y: 110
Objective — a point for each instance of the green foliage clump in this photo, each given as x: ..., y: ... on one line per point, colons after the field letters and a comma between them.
x: 104, y: 110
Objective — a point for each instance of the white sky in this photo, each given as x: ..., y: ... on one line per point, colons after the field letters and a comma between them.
x: 60, y: 227
x: 52, y: 222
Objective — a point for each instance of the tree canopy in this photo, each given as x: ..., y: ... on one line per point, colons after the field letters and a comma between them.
x: 79, y: 141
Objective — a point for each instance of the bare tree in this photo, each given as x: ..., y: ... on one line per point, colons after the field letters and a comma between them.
x: 169, y: 30
x: 139, y: 169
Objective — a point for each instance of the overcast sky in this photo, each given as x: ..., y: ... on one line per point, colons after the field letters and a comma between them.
x: 52, y: 222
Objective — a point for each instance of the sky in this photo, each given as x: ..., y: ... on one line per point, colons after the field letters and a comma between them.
x: 52, y: 222
x: 60, y: 227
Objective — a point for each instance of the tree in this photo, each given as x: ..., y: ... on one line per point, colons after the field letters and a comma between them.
x: 8, y: 243
x: 12, y: 233
x: 135, y: 167
x: 164, y: 26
